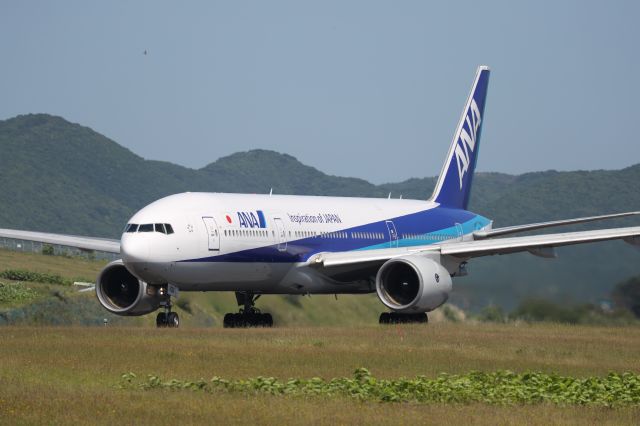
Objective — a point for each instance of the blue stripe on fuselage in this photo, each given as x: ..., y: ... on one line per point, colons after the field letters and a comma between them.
x: 421, y: 228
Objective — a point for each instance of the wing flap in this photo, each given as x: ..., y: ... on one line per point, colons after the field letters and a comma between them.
x: 84, y: 243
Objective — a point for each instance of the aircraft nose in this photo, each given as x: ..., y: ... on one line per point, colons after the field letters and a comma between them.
x: 134, y: 250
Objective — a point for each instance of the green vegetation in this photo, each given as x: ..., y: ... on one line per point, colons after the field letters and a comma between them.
x: 500, y: 387
x: 73, y: 374
x: 68, y: 268
x: 492, y: 313
x: 544, y: 310
x: 15, y: 293
x: 626, y: 310
x: 35, y: 277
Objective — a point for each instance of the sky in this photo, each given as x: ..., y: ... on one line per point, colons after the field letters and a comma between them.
x: 363, y: 88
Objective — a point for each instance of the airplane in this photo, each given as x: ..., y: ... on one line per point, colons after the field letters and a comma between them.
x: 406, y: 251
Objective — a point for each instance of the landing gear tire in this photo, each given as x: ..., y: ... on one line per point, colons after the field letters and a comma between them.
x: 173, y: 320
x: 161, y: 320
x: 398, y: 318
x: 249, y: 315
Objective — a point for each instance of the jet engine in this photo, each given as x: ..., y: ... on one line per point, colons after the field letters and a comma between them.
x: 413, y: 283
x: 123, y: 294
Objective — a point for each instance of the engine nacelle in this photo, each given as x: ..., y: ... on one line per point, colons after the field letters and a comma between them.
x: 123, y: 294
x: 413, y: 284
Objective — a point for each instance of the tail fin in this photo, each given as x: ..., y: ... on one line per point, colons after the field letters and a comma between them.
x: 454, y: 184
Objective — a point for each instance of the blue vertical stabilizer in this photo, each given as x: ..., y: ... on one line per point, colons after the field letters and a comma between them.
x: 454, y: 184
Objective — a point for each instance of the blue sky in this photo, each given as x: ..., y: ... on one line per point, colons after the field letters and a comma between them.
x: 370, y: 89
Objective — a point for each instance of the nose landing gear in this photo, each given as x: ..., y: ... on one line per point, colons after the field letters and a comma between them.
x: 167, y: 318
x: 249, y: 315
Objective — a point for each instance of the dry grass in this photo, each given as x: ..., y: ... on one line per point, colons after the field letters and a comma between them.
x: 70, y: 375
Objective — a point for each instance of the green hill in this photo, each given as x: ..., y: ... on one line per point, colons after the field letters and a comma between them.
x: 62, y: 177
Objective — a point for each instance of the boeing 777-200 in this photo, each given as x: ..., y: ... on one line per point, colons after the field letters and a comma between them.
x: 407, y: 251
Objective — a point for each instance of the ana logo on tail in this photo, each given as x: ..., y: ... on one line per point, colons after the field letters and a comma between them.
x: 454, y: 184
x: 467, y: 141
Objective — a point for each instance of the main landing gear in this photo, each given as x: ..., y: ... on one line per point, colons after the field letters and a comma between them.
x: 167, y: 318
x: 249, y: 315
x: 398, y: 318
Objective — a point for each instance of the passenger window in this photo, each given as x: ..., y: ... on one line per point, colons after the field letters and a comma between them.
x: 147, y: 227
x: 169, y: 228
x: 160, y: 228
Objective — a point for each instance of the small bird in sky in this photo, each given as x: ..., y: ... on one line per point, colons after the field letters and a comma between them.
x: 145, y: 52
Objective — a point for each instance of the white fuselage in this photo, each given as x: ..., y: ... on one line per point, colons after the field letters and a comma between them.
x: 261, y: 243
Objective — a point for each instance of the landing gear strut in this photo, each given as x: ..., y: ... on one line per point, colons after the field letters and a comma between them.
x: 167, y: 318
x: 398, y: 318
x: 249, y: 315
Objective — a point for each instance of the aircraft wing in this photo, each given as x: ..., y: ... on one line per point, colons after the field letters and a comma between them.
x: 536, y: 244
x: 85, y: 243
x: 497, y: 232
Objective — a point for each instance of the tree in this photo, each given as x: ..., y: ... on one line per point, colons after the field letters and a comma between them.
x: 626, y: 295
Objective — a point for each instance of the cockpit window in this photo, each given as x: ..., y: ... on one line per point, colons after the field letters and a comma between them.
x: 132, y: 227
x: 147, y: 227
x: 163, y: 228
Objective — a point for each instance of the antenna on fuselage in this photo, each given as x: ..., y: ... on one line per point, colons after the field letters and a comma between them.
x: 270, y: 192
x: 389, y: 197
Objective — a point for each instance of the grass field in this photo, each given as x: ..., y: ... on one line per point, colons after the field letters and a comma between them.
x: 72, y: 374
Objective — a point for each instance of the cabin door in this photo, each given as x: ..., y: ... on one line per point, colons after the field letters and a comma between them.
x: 212, y: 232
x: 393, y: 234
x: 281, y: 236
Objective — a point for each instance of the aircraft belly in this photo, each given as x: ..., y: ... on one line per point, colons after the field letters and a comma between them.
x: 227, y: 276
x: 259, y: 277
